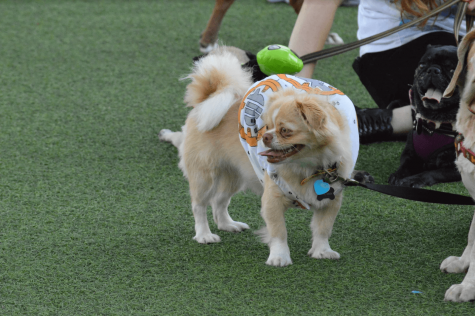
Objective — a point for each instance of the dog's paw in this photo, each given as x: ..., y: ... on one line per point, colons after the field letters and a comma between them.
x: 393, y: 179
x: 362, y: 176
x: 233, y: 226
x: 454, y: 264
x: 324, y: 254
x: 163, y: 135
x: 464, y: 292
x: 280, y: 260
x: 207, y: 238
x: 415, y: 181
x: 279, y: 252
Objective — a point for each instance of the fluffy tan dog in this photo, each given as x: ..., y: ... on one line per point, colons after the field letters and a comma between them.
x: 303, y: 135
x: 464, y: 76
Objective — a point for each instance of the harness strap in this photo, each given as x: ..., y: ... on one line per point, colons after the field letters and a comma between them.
x: 460, y: 149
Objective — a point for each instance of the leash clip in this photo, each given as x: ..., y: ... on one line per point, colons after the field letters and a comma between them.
x: 351, y: 182
x: 331, y: 177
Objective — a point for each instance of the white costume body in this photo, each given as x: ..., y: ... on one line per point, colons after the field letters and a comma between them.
x: 251, y: 125
x: 376, y: 16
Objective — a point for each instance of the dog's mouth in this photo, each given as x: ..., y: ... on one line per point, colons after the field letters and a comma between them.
x: 278, y: 155
x: 432, y: 98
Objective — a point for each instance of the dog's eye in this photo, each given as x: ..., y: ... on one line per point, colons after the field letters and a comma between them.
x: 284, y: 132
x: 422, y: 65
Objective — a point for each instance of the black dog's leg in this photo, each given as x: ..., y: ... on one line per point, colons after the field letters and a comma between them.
x: 410, y: 163
x: 431, y: 177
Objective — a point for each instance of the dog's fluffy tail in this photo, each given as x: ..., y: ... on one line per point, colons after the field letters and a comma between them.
x: 218, y: 81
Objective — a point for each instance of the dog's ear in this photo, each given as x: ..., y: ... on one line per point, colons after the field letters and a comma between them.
x: 458, y: 77
x: 312, y: 114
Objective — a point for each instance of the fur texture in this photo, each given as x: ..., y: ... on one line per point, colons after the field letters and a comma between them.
x: 465, y: 75
x: 217, y: 79
x: 217, y: 167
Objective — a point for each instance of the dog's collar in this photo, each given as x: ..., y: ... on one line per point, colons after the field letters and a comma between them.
x: 330, y: 174
x: 421, y: 124
x: 460, y: 149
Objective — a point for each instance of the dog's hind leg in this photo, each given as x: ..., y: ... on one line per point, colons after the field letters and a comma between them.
x: 322, y: 225
x: 201, y: 189
x: 226, y: 188
x: 203, y: 233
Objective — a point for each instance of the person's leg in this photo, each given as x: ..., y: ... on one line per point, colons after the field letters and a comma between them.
x: 388, y: 76
x: 311, y: 29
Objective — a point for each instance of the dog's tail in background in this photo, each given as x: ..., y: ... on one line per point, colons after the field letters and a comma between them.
x: 218, y: 81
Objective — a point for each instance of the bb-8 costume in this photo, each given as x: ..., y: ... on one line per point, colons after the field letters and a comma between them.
x: 251, y: 126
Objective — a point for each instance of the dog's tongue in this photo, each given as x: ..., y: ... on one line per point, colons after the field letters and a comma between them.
x: 270, y: 152
x: 433, y: 94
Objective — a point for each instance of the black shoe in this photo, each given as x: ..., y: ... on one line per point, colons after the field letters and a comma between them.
x: 374, y: 125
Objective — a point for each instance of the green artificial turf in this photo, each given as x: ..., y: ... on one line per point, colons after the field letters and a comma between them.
x: 95, y: 215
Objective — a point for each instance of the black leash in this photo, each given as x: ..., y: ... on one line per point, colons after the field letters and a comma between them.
x: 415, y: 194
x: 312, y: 57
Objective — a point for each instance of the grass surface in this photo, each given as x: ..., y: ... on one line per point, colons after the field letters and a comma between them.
x: 95, y: 217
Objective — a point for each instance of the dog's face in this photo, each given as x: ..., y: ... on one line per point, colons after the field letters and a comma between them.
x: 298, y: 126
x: 432, y: 77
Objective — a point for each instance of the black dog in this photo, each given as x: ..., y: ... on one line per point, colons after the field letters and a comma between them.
x: 429, y: 155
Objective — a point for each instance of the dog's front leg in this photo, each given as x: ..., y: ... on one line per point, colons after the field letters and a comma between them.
x: 465, y: 291
x: 274, y: 205
x: 322, y: 225
x: 430, y: 177
x: 410, y: 164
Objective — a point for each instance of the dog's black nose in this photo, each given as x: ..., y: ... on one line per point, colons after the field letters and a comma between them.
x: 434, y: 70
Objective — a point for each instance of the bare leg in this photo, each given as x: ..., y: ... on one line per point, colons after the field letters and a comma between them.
x: 311, y: 29
x: 402, y: 120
